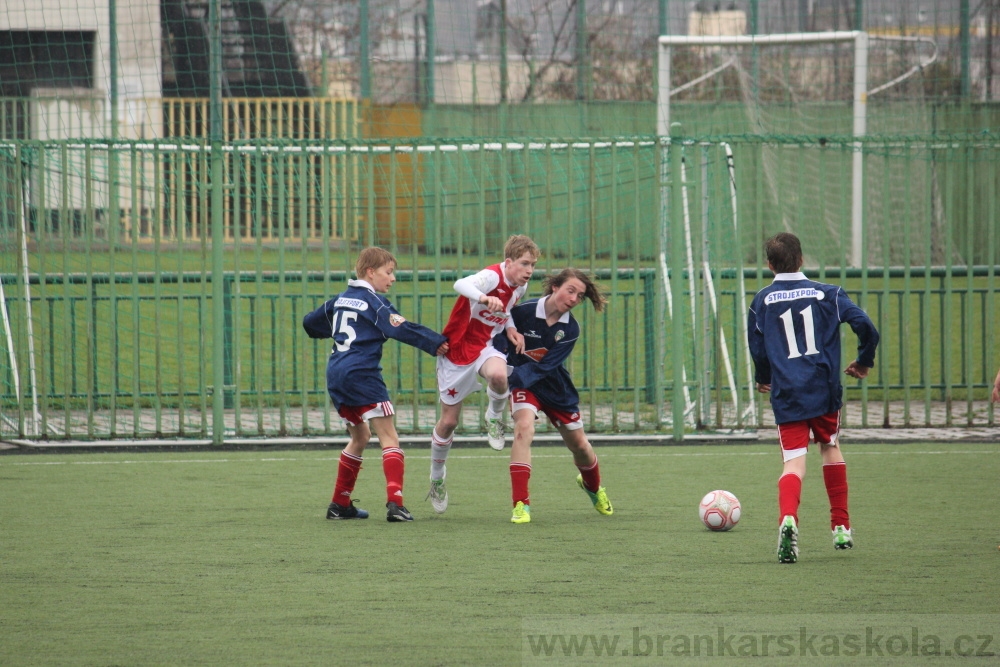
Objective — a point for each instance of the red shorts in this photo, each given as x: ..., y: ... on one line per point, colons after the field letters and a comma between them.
x: 521, y: 399
x: 794, y: 436
x: 355, y: 414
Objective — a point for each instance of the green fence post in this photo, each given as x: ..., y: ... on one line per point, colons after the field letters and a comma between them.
x: 227, y: 345
x: 216, y: 221
x: 649, y: 335
x: 90, y: 220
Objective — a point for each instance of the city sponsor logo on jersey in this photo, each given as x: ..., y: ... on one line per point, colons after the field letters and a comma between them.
x: 396, y: 319
x: 347, y: 302
x: 794, y: 295
x: 531, y: 334
x: 486, y: 315
x: 560, y: 335
x: 537, y: 354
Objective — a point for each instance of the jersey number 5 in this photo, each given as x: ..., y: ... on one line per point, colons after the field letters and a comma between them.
x: 345, y: 317
x: 810, y: 331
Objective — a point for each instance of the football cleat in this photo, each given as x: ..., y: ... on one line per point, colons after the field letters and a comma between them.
x: 438, y: 495
x: 522, y: 513
x: 396, y: 513
x: 495, y: 433
x: 599, y: 498
x: 843, y: 538
x: 788, y: 540
x: 335, y: 511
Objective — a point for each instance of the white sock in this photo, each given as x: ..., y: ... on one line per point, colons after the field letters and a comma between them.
x: 439, y: 454
x: 497, y: 403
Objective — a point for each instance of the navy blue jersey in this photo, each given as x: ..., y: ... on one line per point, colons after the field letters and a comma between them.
x: 359, y: 321
x: 539, y: 368
x: 793, y: 333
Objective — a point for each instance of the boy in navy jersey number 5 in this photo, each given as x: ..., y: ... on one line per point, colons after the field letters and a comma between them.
x: 793, y: 334
x: 360, y: 321
x: 539, y: 382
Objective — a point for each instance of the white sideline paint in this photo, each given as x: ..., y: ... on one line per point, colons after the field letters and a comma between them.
x: 422, y: 457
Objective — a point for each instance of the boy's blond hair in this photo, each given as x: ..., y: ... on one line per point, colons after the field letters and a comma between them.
x: 372, y: 258
x: 519, y: 244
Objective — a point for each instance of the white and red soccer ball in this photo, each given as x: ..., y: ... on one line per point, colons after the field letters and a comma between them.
x: 719, y: 510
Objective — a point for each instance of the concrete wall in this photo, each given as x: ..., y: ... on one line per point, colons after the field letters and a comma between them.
x: 139, y: 64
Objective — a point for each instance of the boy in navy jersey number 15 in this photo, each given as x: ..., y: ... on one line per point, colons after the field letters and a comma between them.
x: 539, y: 382
x: 793, y: 333
x: 360, y: 321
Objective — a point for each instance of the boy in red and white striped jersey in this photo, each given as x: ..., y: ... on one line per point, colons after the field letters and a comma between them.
x: 481, y: 312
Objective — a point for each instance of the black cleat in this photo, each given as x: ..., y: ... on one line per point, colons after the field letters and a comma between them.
x: 396, y: 512
x: 336, y: 511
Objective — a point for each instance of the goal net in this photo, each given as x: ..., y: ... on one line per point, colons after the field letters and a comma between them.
x: 18, y: 388
x: 812, y: 101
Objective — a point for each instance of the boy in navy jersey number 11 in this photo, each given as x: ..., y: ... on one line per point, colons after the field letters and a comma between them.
x: 539, y: 382
x: 360, y: 321
x: 793, y: 332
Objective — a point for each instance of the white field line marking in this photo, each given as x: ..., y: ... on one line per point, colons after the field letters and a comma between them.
x: 604, y: 454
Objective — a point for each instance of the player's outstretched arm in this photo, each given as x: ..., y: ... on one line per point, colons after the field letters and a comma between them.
x: 319, y: 323
x: 394, y: 325
x: 863, y: 327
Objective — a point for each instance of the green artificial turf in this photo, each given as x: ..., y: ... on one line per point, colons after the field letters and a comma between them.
x: 226, y: 558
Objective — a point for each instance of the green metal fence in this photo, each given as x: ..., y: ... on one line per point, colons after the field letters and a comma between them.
x: 138, y: 331
x: 123, y: 358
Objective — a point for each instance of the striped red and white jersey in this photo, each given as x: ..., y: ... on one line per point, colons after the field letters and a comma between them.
x: 471, y: 325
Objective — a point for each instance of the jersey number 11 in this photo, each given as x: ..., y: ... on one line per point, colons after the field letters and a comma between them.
x: 810, y: 331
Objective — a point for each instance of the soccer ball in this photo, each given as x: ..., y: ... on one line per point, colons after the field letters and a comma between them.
x: 719, y: 510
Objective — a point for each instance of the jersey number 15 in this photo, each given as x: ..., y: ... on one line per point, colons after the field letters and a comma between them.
x: 810, y: 331
x: 345, y: 317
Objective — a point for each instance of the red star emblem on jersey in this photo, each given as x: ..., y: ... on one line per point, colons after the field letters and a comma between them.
x: 453, y: 392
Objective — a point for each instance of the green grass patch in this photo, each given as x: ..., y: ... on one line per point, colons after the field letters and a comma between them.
x: 226, y: 558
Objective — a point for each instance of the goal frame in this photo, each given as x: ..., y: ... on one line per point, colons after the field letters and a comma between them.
x: 860, y: 39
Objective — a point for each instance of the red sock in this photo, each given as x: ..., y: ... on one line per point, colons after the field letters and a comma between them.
x: 347, y: 475
x: 789, y: 491
x: 835, y: 478
x: 591, y: 476
x: 392, y: 466
x: 520, y: 473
